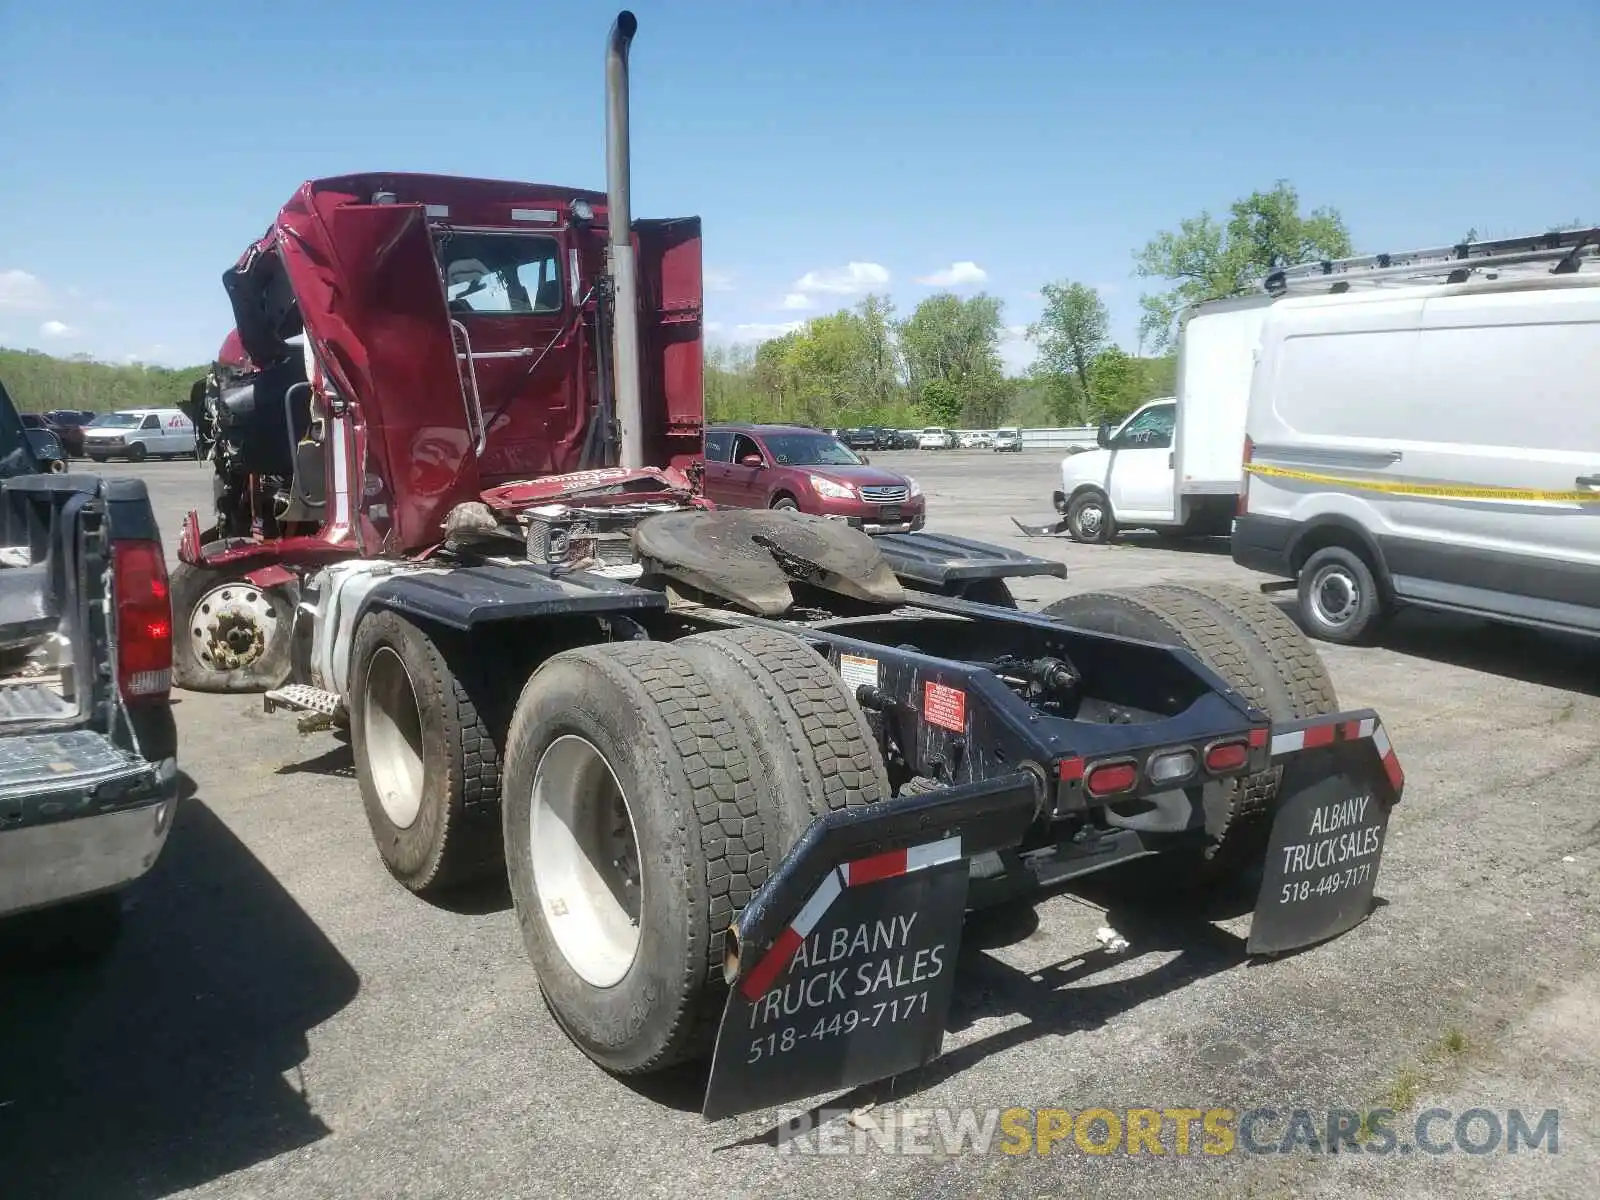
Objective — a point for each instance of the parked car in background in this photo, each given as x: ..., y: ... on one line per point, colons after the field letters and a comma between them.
x: 905, y: 439
x: 1008, y: 441
x: 787, y: 467
x: 935, y: 438
x: 68, y: 424
x: 864, y: 438
x: 139, y: 433
x: 977, y: 439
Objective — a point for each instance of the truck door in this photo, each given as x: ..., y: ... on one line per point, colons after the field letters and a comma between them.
x: 671, y: 291
x: 422, y: 425
x: 1141, y: 465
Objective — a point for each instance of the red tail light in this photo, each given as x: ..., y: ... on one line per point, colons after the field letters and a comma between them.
x: 1108, y: 779
x: 144, y: 620
x: 1222, y: 757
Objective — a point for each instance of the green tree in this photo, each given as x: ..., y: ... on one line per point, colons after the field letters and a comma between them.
x: 956, y: 340
x: 39, y: 382
x: 941, y: 401
x: 1205, y: 260
x: 1071, y: 332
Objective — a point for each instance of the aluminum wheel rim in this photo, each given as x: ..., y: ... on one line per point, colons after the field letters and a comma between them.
x: 393, y: 729
x: 585, y: 854
x: 1335, y: 596
x: 1089, y: 518
x: 231, y: 626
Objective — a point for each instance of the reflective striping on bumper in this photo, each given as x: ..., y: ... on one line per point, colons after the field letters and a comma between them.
x: 862, y: 871
x: 1313, y: 736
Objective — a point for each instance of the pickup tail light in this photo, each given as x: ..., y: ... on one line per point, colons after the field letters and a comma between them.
x: 144, y: 620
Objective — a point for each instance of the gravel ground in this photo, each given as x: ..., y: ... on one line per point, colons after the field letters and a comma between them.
x: 282, y: 1019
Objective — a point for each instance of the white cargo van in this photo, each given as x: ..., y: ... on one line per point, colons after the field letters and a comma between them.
x: 139, y: 433
x: 1173, y: 466
x: 1432, y: 443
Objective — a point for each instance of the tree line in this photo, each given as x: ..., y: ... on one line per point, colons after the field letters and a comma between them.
x: 39, y: 382
x: 939, y: 365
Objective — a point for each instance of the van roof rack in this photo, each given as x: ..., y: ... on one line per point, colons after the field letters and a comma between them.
x: 1566, y: 249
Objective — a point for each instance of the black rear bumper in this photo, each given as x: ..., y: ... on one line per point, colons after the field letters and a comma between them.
x: 1264, y: 544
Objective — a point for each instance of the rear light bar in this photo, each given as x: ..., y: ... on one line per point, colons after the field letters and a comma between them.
x: 1231, y: 755
x: 1167, y: 767
x: 144, y: 620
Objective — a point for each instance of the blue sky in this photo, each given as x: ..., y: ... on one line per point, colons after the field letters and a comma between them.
x: 1001, y: 145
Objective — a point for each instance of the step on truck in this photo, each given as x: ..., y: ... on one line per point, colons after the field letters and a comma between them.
x: 745, y: 771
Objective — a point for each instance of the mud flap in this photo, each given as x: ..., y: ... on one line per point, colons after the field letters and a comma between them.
x: 844, y: 961
x: 1327, y: 838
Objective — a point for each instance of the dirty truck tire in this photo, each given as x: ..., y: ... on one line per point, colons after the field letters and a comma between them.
x: 640, y: 990
x: 427, y: 762
x: 1295, y: 661
x: 816, y: 751
x: 1253, y: 654
x: 203, y: 598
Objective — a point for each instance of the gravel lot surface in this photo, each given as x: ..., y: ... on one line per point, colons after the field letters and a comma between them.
x: 284, y: 1020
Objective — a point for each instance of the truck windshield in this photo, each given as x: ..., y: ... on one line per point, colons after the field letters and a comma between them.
x: 810, y: 450
x: 500, y: 273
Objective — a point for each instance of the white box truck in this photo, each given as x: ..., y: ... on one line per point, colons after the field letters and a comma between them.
x: 1424, y: 429
x: 1173, y: 465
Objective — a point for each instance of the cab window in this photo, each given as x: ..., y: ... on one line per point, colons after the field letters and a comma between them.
x: 743, y: 445
x: 150, y: 422
x: 1150, y: 430
x: 500, y: 274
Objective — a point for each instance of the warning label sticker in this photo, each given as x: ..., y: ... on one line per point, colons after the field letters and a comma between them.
x: 857, y: 670
x: 944, y: 706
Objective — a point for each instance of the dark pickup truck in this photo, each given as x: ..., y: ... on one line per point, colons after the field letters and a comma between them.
x: 88, y: 745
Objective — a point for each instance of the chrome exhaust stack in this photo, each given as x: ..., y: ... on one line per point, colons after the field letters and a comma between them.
x: 624, y: 268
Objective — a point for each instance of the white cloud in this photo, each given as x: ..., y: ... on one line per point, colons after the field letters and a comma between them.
x: 958, y: 274
x: 717, y: 281
x: 852, y: 279
x: 795, y: 301
x: 1016, y: 351
x: 57, y: 329
x: 20, y: 290
x: 756, y: 331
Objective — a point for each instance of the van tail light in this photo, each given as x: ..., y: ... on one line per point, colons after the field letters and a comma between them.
x: 1244, y: 482
x: 144, y: 620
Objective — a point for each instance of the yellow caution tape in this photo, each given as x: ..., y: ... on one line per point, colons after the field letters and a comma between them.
x: 1440, y: 491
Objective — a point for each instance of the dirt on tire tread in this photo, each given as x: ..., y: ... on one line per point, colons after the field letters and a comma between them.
x: 821, y: 721
x: 722, y: 799
x: 1298, y: 663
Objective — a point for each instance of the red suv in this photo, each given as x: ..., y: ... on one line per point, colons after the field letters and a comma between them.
x: 789, y: 466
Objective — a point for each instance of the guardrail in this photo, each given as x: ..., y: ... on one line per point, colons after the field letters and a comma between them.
x: 1041, y: 439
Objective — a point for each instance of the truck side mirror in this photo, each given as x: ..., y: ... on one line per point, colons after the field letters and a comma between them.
x: 1102, y: 436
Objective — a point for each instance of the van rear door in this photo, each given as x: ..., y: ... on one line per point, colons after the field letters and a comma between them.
x: 1217, y: 354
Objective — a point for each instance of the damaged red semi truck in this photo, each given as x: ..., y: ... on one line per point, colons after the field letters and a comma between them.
x: 746, y: 771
